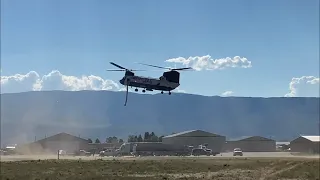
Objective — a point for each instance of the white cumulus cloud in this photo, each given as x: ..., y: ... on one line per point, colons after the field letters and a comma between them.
x: 208, y: 63
x: 227, y: 93
x: 180, y: 90
x: 305, y: 86
x: 19, y: 82
x: 54, y: 80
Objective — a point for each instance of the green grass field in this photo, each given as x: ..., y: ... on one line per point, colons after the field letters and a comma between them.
x: 232, y: 168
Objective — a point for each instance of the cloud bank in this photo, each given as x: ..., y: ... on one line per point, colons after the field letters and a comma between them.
x: 54, y: 80
x: 207, y: 63
x: 305, y: 86
x: 227, y: 93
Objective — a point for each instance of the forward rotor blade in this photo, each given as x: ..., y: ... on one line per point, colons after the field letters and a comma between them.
x: 117, y: 65
x: 137, y: 70
x: 124, y: 70
x: 153, y: 66
x: 115, y: 70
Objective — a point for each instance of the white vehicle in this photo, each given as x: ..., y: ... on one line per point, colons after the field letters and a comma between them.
x: 237, y: 152
x: 108, y: 152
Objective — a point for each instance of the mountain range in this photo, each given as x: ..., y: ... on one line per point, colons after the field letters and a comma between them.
x: 98, y: 114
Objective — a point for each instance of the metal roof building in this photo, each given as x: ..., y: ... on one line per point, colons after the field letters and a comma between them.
x: 309, y: 144
x: 65, y: 142
x: 52, y: 144
x: 195, y: 138
x: 252, y: 144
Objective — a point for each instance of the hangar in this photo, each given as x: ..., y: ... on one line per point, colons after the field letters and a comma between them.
x: 195, y: 138
x: 308, y: 144
x: 252, y: 144
x: 52, y: 144
x: 64, y: 141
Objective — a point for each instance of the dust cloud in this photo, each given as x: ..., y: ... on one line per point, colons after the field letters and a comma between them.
x: 45, y: 118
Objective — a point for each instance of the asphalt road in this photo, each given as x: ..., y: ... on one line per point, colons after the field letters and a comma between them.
x: 222, y: 155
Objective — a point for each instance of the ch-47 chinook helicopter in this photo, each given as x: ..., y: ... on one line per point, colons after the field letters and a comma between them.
x: 167, y: 82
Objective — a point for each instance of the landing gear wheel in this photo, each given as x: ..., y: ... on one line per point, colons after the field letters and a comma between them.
x: 136, y: 90
x: 161, y: 92
x: 143, y: 91
x: 169, y: 93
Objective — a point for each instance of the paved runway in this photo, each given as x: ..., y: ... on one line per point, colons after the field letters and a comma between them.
x: 222, y: 155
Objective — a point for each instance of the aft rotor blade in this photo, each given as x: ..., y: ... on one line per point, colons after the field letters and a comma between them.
x: 154, y: 66
x: 177, y: 69
x: 117, y: 65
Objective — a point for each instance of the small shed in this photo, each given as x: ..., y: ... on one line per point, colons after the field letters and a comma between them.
x: 307, y: 144
x: 195, y: 138
x: 252, y: 144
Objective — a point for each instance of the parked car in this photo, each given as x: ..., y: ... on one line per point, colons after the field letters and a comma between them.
x: 237, y: 152
x: 202, y: 150
x: 82, y: 153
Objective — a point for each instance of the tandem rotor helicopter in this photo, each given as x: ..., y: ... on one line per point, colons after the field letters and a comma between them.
x: 167, y: 82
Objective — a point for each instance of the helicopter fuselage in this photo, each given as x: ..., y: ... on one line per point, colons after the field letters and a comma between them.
x: 148, y: 83
x: 169, y: 80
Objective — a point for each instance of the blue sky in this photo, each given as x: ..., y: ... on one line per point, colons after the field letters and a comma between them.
x: 78, y: 37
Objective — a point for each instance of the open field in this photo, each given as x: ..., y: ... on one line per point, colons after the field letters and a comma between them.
x: 164, y: 168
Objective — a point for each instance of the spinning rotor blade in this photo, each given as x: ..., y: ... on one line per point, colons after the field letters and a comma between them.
x: 174, y: 69
x: 154, y: 66
x: 177, y: 69
x: 124, y: 70
x: 117, y: 65
x: 137, y: 70
x: 115, y: 70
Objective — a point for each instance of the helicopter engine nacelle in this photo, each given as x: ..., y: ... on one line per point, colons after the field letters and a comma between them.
x: 172, y: 76
x: 162, y: 78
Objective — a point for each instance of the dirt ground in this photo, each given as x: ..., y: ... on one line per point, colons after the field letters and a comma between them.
x: 222, y: 155
x: 156, y: 168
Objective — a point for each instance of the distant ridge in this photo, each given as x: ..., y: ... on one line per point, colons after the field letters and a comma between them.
x: 101, y: 113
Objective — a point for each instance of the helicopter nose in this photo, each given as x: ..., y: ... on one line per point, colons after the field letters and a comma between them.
x: 121, y: 81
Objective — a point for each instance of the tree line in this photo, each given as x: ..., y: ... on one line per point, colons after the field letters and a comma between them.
x: 148, y: 137
x: 113, y: 139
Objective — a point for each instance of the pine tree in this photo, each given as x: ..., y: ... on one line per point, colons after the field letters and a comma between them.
x: 140, y: 139
x: 146, y: 137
